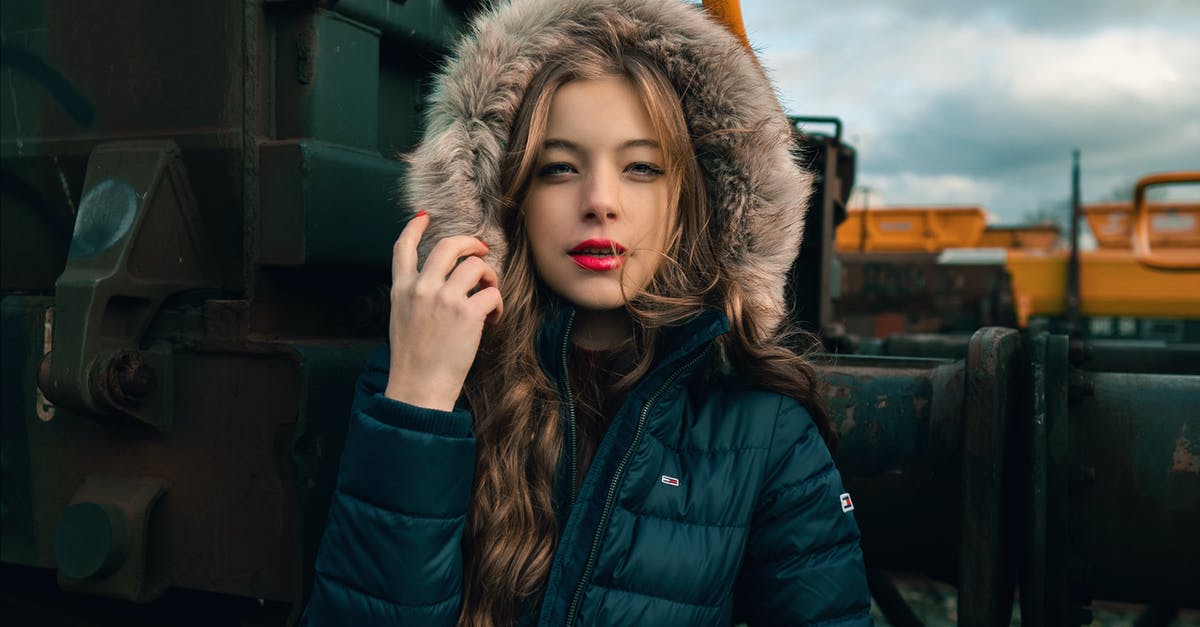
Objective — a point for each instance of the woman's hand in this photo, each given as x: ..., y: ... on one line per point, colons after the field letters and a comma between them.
x: 438, y: 313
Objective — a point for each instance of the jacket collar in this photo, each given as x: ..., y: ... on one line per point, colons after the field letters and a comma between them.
x: 676, y: 343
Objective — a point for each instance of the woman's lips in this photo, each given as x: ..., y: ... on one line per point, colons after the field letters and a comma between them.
x: 598, y: 255
x: 598, y: 263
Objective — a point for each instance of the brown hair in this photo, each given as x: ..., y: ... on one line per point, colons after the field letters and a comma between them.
x: 512, y: 531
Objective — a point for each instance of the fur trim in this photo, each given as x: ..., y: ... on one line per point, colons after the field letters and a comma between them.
x: 757, y: 190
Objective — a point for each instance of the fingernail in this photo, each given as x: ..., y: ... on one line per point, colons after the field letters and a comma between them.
x: 420, y: 213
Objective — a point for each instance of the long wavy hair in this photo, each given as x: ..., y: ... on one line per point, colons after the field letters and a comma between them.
x: 511, y: 531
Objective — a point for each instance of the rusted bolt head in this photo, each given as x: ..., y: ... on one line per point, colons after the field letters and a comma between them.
x: 127, y: 378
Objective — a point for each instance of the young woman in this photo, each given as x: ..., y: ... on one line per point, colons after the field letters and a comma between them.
x: 585, y: 415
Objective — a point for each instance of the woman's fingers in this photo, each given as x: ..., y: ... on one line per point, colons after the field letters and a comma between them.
x: 447, y: 252
x: 404, y: 252
x: 488, y: 302
x: 476, y: 275
x: 473, y: 273
x: 438, y: 310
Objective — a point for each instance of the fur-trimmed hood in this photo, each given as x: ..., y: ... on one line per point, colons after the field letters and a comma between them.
x: 756, y: 189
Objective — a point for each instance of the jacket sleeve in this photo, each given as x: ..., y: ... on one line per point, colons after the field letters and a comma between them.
x: 803, y: 564
x: 391, y: 553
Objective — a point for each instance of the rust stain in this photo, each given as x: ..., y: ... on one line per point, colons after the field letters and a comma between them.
x: 46, y: 409
x: 847, y: 424
x: 840, y: 391
x: 1183, y: 460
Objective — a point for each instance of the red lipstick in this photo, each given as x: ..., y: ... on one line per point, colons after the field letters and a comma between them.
x: 598, y: 255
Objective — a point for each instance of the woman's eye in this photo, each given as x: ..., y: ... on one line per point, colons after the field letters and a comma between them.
x: 555, y: 170
x: 644, y: 170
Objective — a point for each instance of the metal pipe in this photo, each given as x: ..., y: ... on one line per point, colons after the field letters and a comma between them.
x: 1073, y: 263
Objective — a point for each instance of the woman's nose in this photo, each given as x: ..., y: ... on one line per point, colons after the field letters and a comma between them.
x: 602, y: 196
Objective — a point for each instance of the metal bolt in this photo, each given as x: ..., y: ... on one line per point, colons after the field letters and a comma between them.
x: 128, y: 379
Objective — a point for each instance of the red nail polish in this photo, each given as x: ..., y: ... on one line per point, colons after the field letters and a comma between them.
x: 420, y: 213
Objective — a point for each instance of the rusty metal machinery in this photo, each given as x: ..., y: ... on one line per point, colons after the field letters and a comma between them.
x: 198, y: 206
x: 1003, y: 465
x: 813, y: 282
x: 185, y: 303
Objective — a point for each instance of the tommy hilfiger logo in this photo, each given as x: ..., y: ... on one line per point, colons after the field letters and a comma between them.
x: 847, y: 504
x: 672, y: 481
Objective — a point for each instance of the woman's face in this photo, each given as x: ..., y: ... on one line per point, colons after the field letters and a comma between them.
x: 597, y: 210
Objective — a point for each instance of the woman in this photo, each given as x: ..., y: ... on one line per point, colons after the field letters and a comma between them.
x: 585, y: 415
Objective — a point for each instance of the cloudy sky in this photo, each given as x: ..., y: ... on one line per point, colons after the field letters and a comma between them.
x: 955, y: 101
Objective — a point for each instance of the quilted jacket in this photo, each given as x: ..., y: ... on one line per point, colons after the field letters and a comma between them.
x: 708, y: 501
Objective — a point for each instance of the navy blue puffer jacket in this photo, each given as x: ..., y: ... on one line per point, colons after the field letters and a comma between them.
x: 709, y: 501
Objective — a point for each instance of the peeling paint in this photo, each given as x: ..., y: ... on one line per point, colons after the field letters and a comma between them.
x: 847, y: 424
x: 1183, y: 460
x: 46, y: 409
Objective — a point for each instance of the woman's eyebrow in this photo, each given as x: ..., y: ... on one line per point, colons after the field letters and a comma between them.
x: 562, y: 144
x: 570, y: 146
x: 641, y: 143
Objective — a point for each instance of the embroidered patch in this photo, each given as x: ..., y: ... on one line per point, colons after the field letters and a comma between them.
x: 670, y: 481
x: 847, y: 504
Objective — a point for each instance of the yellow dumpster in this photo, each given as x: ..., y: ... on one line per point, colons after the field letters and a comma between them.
x: 1026, y: 237
x: 911, y: 229
x: 1172, y: 224
x: 1111, y: 283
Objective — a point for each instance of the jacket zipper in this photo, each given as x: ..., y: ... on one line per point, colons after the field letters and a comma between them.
x: 616, y: 480
x: 573, y: 446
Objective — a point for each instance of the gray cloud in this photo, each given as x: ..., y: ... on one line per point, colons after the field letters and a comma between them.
x: 983, y: 103
x: 982, y: 133
x: 1062, y: 16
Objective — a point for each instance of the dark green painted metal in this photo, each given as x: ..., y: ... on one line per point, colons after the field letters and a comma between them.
x: 327, y: 80
x: 1045, y: 596
x: 328, y: 373
x: 1144, y: 356
x: 812, y: 282
x: 137, y: 241
x: 23, y: 341
x: 281, y: 113
x: 307, y: 189
x: 1033, y: 569
x: 91, y: 541
x: 900, y: 427
x: 424, y: 25
x: 940, y: 345
x: 987, y: 571
x: 135, y: 565
x: 1135, y: 506
x: 1062, y: 604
